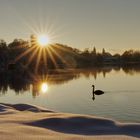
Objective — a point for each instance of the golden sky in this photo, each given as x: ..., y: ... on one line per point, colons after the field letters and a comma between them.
x: 110, y: 24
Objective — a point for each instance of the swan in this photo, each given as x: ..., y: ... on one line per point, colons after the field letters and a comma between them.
x: 97, y: 92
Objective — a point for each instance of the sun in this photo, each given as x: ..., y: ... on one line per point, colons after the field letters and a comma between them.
x: 43, y: 40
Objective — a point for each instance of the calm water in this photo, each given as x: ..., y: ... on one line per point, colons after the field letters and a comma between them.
x: 71, y: 91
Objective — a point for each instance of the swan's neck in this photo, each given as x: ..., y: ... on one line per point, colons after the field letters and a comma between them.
x: 93, y: 89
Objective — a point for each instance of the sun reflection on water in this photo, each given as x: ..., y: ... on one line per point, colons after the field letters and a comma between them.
x: 44, y: 87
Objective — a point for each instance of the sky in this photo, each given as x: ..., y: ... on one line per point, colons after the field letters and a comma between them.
x: 110, y: 24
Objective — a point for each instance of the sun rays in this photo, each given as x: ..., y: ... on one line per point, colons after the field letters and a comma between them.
x: 42, y: 51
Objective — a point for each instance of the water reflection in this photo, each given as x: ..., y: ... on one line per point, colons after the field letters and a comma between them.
x: 21, y: 81
x: 44, y: 87
x: 39, y: 88
x: 93, y: 96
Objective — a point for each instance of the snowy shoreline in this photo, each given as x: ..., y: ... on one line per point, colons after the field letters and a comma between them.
x: 24, y: 121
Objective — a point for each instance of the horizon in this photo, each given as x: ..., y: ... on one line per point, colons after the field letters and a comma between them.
x: 110, y: 24
x: 49, y: 42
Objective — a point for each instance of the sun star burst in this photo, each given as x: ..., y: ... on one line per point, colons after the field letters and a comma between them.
x: 43, y: 40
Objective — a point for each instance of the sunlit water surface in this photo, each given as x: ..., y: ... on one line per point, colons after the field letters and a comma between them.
x: 121, y: 100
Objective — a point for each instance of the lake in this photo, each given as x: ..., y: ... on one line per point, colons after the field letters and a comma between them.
x: 71, y: 91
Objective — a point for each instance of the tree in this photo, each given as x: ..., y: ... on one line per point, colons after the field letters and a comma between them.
x: 103, y: 51
x: 33, y: 40
x: 18, y: 43
x: 3, y: 53
x: 94, y: 51
x: 3, y: 44
x: 86, y: 52
x: 127, y: 56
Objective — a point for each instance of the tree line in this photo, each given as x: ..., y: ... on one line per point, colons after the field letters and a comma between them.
x: 25, y: 54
